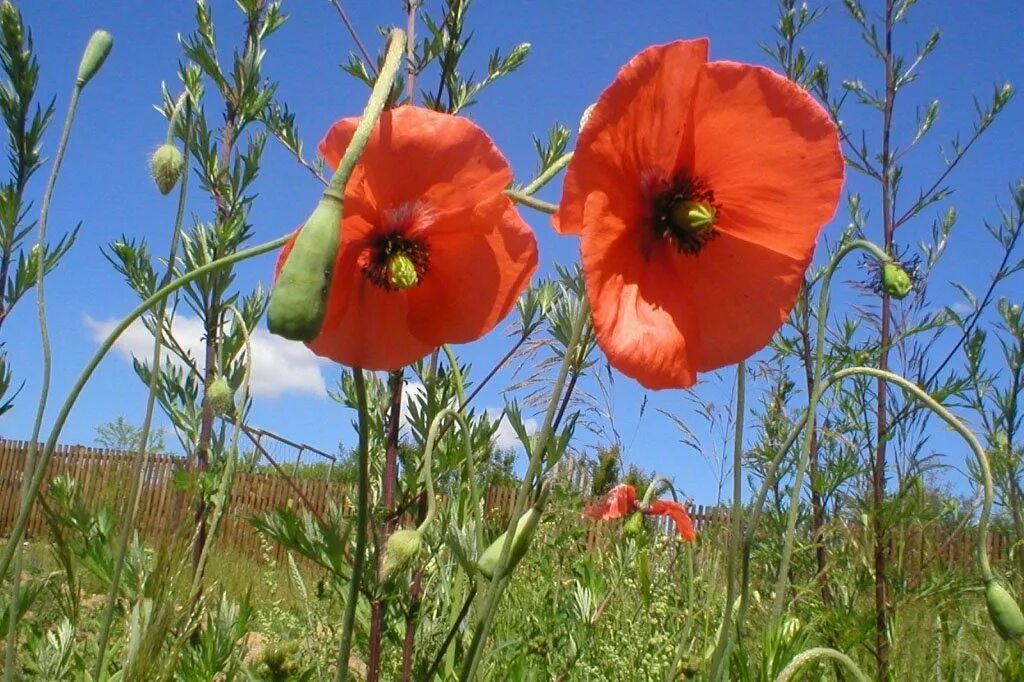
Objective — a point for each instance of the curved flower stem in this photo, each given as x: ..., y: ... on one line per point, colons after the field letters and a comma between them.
x: 362, y: 516
x: 526, y: 200
x: 546, y: 177
x: 18, y: 530
x: 37, y: 254
x: 782, y: 578
x: 954, y: 423
x: 143, y: 453
x: 653, y: 489
x: 805, y: 657
x: 540, y: 445
x: 371, y: 114
x: 721, y: 653
x: 428, y: 451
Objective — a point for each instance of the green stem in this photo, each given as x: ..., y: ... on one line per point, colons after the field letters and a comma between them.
x: 526, y: 200
x: 721, y: 654
x: 18, y: 531
x: 428, y: 451
x: 374, y: 106
x: 44, y: 391
x: 539, y: 447
x: 223, y: 496
x: 972, y: 441
x: 143, y: 453
x: 362, y: 516
x: 811, y: 655
x: 549, y: 173
x: 474, y: 499
x: 782, y: 578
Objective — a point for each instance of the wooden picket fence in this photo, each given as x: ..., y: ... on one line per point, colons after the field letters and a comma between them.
x: 104, y: 477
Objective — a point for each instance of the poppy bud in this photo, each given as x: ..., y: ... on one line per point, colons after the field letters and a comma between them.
x: 298, y: 301
x: 402, y: 271
x: 634, y: 525
x: 401, y: 550
x: 1004, y: 612
x: 895, y: 280
x: 166, y: 165
x: 525, y: 528
x: 221, y: 398
x: 95, y: 54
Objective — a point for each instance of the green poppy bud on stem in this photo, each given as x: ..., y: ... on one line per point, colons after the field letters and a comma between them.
x: 298, y: 301
x: 895, y: 280
x: 221, y: 398
x: 401, y: 551
x: 1005, y: 613
x: 526, y: 526
x: 95, y: 54
x: 166, y: 165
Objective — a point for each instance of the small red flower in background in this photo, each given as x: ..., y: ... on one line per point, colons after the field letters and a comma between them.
x: 621, y: 501
x: 431, y: 250
x: 698, y: 190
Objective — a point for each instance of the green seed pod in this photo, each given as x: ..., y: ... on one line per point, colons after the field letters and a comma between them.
x: 634, y: 525
x: 298, y: 301
x: 221, y: 398
x: 1004, y: 612
x: 402, y: 271
x: 525, y: 528
x: 895, y: 280
x: 401, y: 551
x: 166, y: 166
x: 95, y: 54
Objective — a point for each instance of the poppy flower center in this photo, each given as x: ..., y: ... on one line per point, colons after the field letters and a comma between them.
x: 684, y: 213
x: 396, y: 262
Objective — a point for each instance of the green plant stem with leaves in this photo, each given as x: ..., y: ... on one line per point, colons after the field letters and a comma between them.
x: 143, y: 452
x: 498, y: 582
x: 791, y: 671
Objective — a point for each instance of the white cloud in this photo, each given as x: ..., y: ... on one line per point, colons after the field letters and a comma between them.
x: 279, y: 366
x: 505, y: 437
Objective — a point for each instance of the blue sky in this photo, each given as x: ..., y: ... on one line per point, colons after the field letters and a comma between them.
x: 578, y: 46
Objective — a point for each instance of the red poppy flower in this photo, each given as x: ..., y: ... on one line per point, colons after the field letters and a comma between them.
x: 698, y: 190
x: 621, y: 501
x: 431, y: 250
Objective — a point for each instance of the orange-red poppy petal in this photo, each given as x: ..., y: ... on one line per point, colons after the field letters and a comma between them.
x: 741, y: 292
x: 475, y: 276
x: 644, y: 319
x: 635, y: 129
x: 769, y: 152
x: 677, y: 512
x: 617, y: 503
x: 417, y: 155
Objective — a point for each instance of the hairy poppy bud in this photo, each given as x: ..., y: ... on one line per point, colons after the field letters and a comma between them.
x: 525, y: 528
x: 221, y: 398
x: 400, y: 552
x: 1004, y: 612
x: 166, y: 165
x: 298, y: 301
x: 95, y: 54
x: 895, y: 280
